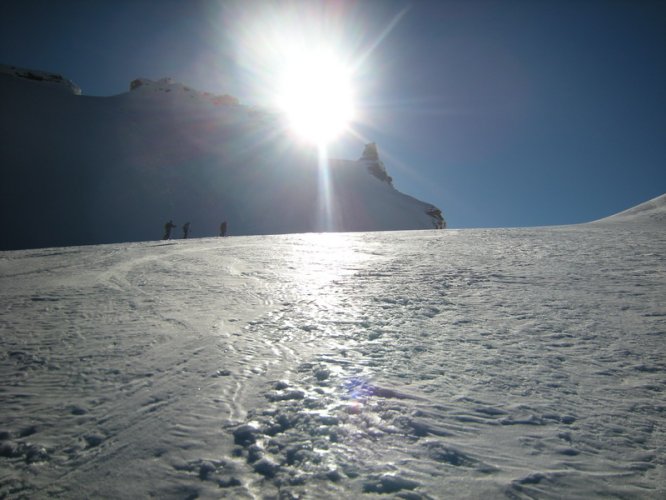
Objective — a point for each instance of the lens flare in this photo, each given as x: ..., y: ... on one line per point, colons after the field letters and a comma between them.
x: 315, y: 94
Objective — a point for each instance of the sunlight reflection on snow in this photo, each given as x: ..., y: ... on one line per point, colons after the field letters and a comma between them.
x: 325, y: 262
x: 325, y: 258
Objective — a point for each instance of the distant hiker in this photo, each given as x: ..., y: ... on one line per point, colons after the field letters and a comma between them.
x: 167, y: 230
x: 223, y: 228
x: 186, y: 230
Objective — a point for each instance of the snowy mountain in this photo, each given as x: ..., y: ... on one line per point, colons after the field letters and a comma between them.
x: 83, y: 170
x: 502, y: 363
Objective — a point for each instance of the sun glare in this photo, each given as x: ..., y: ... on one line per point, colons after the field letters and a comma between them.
x: 315, y: 94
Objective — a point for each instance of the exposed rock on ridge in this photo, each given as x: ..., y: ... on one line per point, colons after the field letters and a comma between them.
x: 374, y: 165
x: 167, y: 85
x: 52, y: 79
x: 370, y: 158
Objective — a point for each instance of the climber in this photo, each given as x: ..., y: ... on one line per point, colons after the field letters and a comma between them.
x: 167, y: 230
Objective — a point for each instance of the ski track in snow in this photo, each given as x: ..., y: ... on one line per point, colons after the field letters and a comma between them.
x: 525, y: 363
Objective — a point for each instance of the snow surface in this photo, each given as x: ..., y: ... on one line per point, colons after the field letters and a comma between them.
x: 78, y: 170
x: 521, y: 363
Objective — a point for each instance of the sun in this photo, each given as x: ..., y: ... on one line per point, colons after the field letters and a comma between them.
x: 314, y: 91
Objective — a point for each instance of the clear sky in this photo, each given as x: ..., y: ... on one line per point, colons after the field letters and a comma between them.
x: 508, y: 113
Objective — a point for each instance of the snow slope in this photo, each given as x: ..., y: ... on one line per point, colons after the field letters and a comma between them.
x: 653, y: 210
x: 79, y: 170
x: 522, y: 363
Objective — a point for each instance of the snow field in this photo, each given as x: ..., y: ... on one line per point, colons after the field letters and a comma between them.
x: 428, y: 364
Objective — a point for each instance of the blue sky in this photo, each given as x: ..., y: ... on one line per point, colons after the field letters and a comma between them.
x: 510, y: 113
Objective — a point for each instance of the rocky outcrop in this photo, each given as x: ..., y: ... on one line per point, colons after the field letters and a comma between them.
x: 375, y: 166
x: 435, y: 214
x: 370, y: 153
x: 135, y: 84
x: 167, y: 85
x: 370, y: 158
x: 52, y: 79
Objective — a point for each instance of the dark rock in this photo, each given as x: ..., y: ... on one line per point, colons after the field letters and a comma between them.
x: 370, y: 152
x: 135, y: 84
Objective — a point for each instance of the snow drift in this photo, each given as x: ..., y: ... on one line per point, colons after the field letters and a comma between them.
x: 81, y: 170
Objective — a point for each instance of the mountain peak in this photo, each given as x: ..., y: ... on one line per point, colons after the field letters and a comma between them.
x: 117, y: 168
x: 370, y: 152
x: 370, y: 158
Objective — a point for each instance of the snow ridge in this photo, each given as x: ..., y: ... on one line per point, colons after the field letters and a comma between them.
x: 145, y: 86
x: 51, y: 80
x: 112, y: 169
